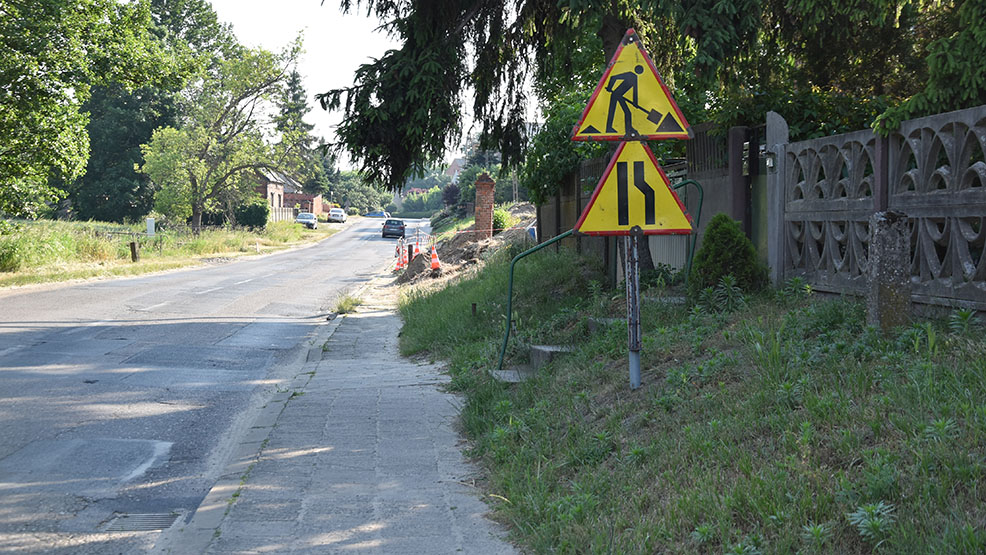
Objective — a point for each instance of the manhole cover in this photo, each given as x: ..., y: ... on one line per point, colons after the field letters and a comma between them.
x: 141, y: 522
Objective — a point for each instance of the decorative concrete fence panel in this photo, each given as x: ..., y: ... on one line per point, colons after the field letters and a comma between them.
x: 822, y: 192
x: 938, y: 178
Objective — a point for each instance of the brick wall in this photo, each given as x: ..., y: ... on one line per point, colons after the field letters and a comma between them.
x: 484, y: 207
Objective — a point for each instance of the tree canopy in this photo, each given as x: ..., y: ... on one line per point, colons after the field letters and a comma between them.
x: 202, y: 165
x: 826, y: 67
x: 52, y: 52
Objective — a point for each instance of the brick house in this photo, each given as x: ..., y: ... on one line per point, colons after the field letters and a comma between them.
x: 283, y: 191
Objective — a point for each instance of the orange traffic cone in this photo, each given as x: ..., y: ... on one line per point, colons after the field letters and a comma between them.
x: 404, y: 257
x: 417, y: 250
x: 435, y: 264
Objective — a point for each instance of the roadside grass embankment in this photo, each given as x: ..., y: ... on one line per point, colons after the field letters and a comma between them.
x: 785, y: 425
x: 50, y: 251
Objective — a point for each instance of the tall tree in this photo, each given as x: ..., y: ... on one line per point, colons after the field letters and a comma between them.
x: 51, y: 53
x: 739, y: 57
x: 290, y: 123
x: 202, y: 165
x: 121, y: 120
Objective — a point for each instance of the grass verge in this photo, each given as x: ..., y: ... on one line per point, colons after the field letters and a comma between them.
x: 347, y: 304
x: 50, y: 251
x: 785, y: 425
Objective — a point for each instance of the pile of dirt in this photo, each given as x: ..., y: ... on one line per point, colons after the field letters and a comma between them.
x: 463, y: 251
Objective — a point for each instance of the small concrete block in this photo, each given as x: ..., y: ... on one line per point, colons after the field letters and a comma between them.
x: 542, y: 355
x: 213, y: 508
x: 513, y: 375
x: 280, y: 397
x: 268, y: 417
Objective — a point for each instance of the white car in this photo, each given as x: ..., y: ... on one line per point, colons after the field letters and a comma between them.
x: 307, y: 219
x: 337, y: 215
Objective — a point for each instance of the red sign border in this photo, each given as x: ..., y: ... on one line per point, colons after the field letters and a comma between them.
x: 599, y: 87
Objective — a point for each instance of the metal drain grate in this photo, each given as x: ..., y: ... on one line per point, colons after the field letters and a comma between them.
x: 141, y: 522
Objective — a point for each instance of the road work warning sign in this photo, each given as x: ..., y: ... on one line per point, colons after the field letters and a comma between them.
x: 634, y: 192
x: 631, y: 101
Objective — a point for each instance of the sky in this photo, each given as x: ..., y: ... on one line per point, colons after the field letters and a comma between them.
x: 335, y: 44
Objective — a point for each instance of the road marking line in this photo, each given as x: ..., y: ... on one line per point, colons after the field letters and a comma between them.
x: 244, y: 281
x: 77, y: 329
x: 160, y: 448
x: 159, y: 305
x: 208, y: 291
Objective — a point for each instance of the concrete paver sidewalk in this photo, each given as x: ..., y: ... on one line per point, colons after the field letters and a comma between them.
x: 358, y: 455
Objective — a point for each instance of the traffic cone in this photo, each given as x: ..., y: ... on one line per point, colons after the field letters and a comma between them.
x: 417, y: 250
x: 435, y: 264
x: 404, y: 256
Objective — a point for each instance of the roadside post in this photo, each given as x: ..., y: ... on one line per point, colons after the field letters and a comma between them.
x: 632, y: 105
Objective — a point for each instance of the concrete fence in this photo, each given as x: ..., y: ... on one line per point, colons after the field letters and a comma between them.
x: 807, y: 206
x: 823, y: 193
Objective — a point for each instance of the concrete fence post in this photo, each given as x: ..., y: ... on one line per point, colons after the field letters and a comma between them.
x: 777, y: 139
x: 888, y: 301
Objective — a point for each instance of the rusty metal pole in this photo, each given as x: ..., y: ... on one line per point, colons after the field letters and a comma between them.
x: 633, y: 304
x: 134, y: 255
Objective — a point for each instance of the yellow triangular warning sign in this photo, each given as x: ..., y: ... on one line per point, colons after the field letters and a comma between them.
x: 634, y: 192
x: 631, y: 101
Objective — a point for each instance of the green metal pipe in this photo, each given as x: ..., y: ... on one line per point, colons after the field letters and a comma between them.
x: 510, y: 288
x: 698, y: 219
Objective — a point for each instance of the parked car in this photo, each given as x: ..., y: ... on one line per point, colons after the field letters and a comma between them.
x: 377, y: 214
x: 308, y: 219
x: 393, y: 228
x: 337, y: 215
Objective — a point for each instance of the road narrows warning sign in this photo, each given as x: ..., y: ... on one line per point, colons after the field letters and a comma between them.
x: 634, y: 192
x: 631, y: 102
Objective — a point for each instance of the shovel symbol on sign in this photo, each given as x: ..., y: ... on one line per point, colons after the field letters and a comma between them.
x: 623, y: 93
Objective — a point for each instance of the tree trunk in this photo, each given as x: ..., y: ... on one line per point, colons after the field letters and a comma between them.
x: 196, y: 218
x: 611, y: 32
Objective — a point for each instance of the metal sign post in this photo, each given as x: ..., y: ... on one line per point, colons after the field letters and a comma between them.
x: 633, y: 306
x: 634, y: 197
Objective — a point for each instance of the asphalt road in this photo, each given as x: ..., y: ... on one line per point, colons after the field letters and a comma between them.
x: 123, y: 397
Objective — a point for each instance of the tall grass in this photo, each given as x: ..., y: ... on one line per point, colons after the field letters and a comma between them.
x: 786, y: 426
x: 55, y: 250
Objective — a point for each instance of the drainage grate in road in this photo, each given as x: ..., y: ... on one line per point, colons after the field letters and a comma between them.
x: 141, y: 522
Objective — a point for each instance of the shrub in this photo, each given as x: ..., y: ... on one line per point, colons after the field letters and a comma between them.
x: 501, y: 220
x: 253, y: 214
x: 726, y: 251
x: 11, y: 254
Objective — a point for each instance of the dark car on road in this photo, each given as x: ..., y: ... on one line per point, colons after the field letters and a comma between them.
x: 393, y: 228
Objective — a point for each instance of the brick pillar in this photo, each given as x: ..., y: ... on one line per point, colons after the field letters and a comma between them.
x: 888, y: 304
x: 484, y: 207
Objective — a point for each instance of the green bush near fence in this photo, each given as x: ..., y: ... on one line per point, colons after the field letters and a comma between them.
x: 726, y: 251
